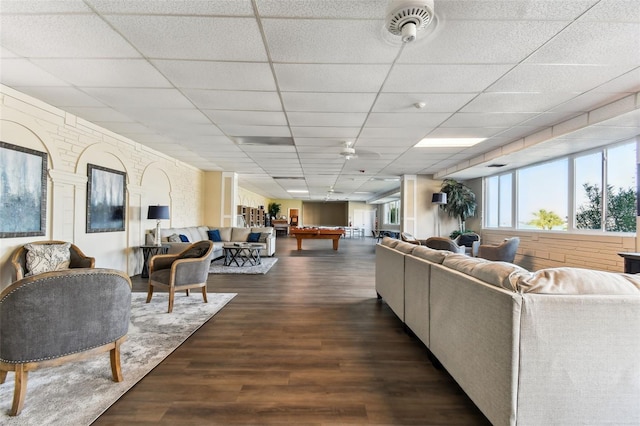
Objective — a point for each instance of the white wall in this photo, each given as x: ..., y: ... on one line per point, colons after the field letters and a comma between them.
x: 71, y: 143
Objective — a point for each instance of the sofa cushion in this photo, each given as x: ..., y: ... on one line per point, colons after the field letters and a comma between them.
x: 578, y: 281
x: 263, y: 237
x: 432, y: 255
x: 240, y: 234
x: 184, y: 238
x: 462, y: 263
x: 499, y: 274
x: 254, y: 237
x: 406, y: 248
x: 390, y: 242
x: 47, y: 257
x: 214, y: 235
x: 202, y: 233
x: 263, y: 230
x: 225, y: 233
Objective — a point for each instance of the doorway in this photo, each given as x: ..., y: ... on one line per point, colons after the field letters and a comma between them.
x: 364, y: 219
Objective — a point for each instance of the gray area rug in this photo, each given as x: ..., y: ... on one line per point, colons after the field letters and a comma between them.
x: 77, y: 393
x: 217, y: 267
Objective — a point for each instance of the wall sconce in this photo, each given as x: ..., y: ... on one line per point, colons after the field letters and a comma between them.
x: 158, y: 213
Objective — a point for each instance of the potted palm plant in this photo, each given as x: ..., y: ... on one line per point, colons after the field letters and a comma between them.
x: 461, y: 202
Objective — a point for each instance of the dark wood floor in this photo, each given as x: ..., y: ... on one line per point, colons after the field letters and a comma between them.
x: 306, y: 344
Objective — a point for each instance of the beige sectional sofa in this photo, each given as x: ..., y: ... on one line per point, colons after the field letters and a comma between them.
x: 227, y: 235
x: 559, y: 346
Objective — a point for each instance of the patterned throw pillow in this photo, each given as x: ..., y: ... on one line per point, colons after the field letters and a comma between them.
x: 47, y: 257
x: 174, y: 238
x: 214, y: 235
x: 253, y: 237
x: 263, y: 237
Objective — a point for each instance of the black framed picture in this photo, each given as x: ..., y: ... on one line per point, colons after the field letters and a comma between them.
x: 23, y: 191
x: 105, y: 199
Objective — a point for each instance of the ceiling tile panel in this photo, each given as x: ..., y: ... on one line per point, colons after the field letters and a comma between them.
x: 433, y: 102
x: 23, y: 73
x: 517, y: 102
x: 593, y: 43
x: 562, y: 10
x: 443, y: 78
x: 176, y: 7
x: 63, y: 36
x: 328, y: 102
x: 326, y: 119
x: 140, y: 98
x: 330, y: 77
x: 104, y: 72
x: 422, y: 121
x: 552, y: 78
x: 325, y: 132
x: 218, y: 75
x: 260, y: 118
x: 189, y: 37
x: 322, y: 41
x: 234, y: 100
x: 485, y: 41
x: 362, y: 9
x: 237, y: 130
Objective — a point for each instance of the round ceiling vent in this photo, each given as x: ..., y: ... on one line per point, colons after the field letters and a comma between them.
x: 406, y: 18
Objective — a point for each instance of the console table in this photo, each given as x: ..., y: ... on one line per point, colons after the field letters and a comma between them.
x: 631, y: 262
x: 147, y: 252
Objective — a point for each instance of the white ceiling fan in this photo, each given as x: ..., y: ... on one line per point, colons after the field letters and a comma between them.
x: 349, y: 152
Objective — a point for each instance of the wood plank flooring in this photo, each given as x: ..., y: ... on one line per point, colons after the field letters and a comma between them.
x: 306, y: 344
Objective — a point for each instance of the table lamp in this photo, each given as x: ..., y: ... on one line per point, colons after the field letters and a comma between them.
x: 158, y: 213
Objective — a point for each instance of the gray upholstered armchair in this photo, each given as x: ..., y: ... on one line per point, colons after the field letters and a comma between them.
x: 471, y: 242
x: 186, y: 270
x: 78, y: 258
x: 441, y: 243
x: 506, y: 251
x: 60, y: 316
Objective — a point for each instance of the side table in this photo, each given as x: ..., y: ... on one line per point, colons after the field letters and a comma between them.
x: 147, y: 252
x: 631, y: 262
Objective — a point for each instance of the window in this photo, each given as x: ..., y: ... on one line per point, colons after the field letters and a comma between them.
x: 498, y: 190
x: 542, y: 196
x: 392, y: 213
x: 592, y: 191
x: 588, y: 191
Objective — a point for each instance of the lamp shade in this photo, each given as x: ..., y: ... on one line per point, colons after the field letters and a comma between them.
x: 439, y: 198
x: 158, y: 212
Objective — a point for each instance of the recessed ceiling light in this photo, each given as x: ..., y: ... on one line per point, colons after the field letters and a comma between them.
x: 447, y: 142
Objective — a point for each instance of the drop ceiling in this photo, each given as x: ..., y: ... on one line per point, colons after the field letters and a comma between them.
x: 196, y: 80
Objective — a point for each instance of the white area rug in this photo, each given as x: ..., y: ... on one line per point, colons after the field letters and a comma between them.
x: 217, y: 267
x: 77, y: 393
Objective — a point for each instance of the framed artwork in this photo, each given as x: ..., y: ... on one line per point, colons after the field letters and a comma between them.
x: 105, y: 199
x: 23, y: 191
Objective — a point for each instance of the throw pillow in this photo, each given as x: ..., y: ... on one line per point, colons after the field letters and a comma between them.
x: 174, y: 238
x: 47, y: 257
x: 263, y: 237
x: 214, y: 235
x: 184, y: 238
x: 253, y: 237
x: 467, y: 240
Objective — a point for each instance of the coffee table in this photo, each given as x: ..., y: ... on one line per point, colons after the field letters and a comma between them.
x: 242, y: 254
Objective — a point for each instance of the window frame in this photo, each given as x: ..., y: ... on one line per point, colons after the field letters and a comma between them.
x: 571, y: 193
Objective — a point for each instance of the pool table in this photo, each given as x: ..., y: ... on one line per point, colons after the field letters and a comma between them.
x: 317, y: 233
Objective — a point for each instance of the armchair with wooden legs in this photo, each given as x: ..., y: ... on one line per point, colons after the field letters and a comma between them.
x: 183, y: 271
x: 61, y: 316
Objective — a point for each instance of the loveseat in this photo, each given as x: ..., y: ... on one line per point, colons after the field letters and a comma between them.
x: 556, y: 346
x: 172, y: 237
